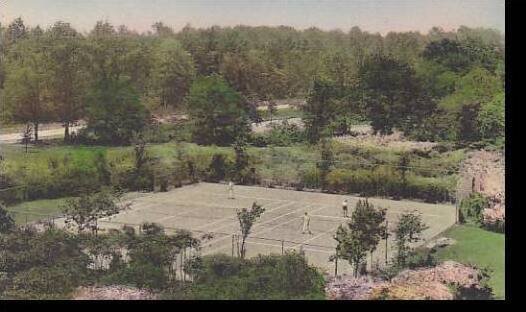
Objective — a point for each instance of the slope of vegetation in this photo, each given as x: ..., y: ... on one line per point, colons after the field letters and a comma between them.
x: 51, y: 172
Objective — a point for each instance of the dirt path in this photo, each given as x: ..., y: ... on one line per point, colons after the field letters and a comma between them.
x: 49, y: 132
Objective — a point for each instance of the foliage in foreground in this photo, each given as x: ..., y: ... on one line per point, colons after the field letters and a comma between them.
x: 262, y: 277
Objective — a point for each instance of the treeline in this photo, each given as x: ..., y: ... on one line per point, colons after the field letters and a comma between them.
x: 437, y: 86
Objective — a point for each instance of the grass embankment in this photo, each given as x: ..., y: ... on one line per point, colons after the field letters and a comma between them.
x: 60, y: 171
x: 36, y: 210
x: 481, y: 248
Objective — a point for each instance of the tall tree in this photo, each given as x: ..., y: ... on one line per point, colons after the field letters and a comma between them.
x: 246, y: 218
x: 114, y: 112
x: 362, y: 234
x: 320, y: 108
x: 67, y: 70
x: 172, y: 74
x: 391, y: 94
x: 27, y: 84
x: 217, y: 111
x: 408, y: 230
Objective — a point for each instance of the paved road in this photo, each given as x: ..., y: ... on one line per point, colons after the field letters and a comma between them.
x: 58, y: 132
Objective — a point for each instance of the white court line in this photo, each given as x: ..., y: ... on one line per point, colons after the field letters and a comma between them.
x: 244, y: 196
x: 315, y: 237
x: 273, y: 245
x: 271, y: 228
x: 267, y: 221
x: 427, y: 205
x: 187, y: 204
x: 260, y: 224
x: 233, y: 218
x: 388, y: 212
x: 279, y: 246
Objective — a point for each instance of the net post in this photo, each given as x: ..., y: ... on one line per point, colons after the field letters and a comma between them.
x: 282, y: 247
x: 336, y: 266
x: 386, y: 239
x: 233, y: 235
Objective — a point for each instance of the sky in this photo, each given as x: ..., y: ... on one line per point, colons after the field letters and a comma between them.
x: 371, y: 15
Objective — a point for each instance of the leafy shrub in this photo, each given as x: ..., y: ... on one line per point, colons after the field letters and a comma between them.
x: 138, y: 274
x: 6, y: 221
x: 262, y: 277
x: 280, y: 134
x: 42, y: 265
x: 472, y: 207
x: 384, y: 181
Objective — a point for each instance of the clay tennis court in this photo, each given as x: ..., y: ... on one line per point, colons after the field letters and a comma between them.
x: 205, y: 208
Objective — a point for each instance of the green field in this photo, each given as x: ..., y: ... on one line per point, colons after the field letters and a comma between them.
x: 36, y: 210
x: 479, y: 247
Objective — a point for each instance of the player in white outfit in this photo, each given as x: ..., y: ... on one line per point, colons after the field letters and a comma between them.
x: 306, y: 224
x: 345, y: 208
x: 230, y: 190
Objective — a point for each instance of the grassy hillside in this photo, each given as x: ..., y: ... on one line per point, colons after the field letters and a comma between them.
x: 479, y: 247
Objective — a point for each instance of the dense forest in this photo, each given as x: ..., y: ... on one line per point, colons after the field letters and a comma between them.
x: 439, y: 86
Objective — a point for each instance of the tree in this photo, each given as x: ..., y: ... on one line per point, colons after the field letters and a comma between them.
x: 218, y: 113
x: 241, y: 162
x: 351, y: 247
x: 391, y: 92
x: 15, y: 31
x: 217, y: 168
x: 114, y: 112
x: 491, y: 119
x: 26, y: 135
x: 362, y: 234
x: 326, y: 162
x: 472, y: 91
x: 26, y: 85
x: 408, y: 230
x: 271, y: 109
x: 172, y: 73
x: 246, y: 218
x: 6, y: 222
x: 68, y: 77
x: 403, y: 165
x: 84, y: 211
x: 448, y: 53
x: 39, y: 265
x: 319, y: 109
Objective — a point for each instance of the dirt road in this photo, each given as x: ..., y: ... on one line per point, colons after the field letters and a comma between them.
x: 49, y: 132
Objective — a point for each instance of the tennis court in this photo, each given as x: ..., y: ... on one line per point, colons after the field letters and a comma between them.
x: 205, y: 208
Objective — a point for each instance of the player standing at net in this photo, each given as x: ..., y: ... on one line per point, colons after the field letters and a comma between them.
x: 306, y: 224
x: 230, y: 190
x: 345, y: 208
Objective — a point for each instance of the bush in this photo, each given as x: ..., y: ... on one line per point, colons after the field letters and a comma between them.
x: 472, y: 207
x: 263, y: 277
x: 384, y: 181
x: 282, y: 134
x: 218, y: 168
x: 41, y: 265
x: 44, y: 282
x: 159, y: 133
x: 138, y: 274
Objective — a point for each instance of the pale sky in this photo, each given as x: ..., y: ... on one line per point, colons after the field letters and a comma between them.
x: 370, y: 15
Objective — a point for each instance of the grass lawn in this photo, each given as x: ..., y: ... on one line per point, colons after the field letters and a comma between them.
x: 36, y: 210
x: 479, y: 247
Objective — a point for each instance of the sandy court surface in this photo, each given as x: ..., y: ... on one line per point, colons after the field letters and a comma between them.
x: 204, y: 208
